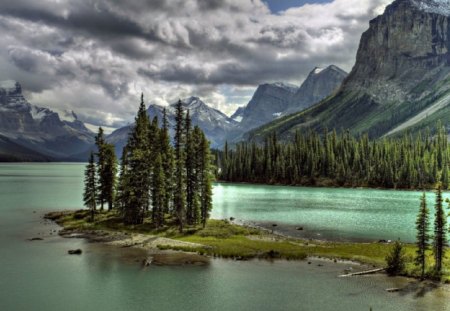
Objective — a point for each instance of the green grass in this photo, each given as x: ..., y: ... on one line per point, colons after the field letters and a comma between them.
x: 223, y: 239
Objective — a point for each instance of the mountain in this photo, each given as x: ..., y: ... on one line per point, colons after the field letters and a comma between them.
x: 216, y: 125
x: 400, y: 79
x: 39, y: 131
x: 267, y: 104
x: 272, y: 101
x: 320, y: 83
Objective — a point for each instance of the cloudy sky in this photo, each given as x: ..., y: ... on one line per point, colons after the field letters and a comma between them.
x: 96, y: 56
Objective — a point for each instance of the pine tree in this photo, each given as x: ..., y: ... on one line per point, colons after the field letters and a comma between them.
x: 167, y: 156
x: 101, y: 163
x: 423, y: 236
x: 191, y: 182
x: 205, y: 179
x: 440, y: 239
x: 138, y: 172
x: 158, y: 192
x: 395, y: 260
x: 109, y: 180
x: 179, y: 195
x: 90, y: 186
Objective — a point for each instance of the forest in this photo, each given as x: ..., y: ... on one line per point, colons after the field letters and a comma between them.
x: 332, y: 159
x: 158, y: 180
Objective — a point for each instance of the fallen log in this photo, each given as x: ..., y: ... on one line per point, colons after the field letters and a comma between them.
x: 363, y: 272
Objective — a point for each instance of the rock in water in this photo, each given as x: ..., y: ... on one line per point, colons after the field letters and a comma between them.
x: 75, y: 252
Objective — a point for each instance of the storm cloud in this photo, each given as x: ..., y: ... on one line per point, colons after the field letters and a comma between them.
x: 96, y: 56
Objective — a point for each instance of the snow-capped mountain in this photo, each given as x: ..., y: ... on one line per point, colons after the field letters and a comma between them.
x: 216, y: 125
x: 56, y: 136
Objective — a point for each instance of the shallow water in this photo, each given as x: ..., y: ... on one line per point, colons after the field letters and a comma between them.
x: 41, y: 276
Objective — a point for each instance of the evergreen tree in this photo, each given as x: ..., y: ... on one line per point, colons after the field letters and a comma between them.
x: 191, y: 179
x: 167, y: 156
x: 423, y: 236
x: 205, y: 179
x: 179, y: 195
x: 106, y: 170
x: 138, y: 172
x: 101, y: 164
x: 90, y: 186
x: 440, y: 239
x: 109, y: 180
x: 158, y: 192
x: 395, y: 260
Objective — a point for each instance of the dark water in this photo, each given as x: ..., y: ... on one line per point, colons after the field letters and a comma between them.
x: 41, y: 276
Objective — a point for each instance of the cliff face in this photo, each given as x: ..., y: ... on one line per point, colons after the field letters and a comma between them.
x: 406, y: 45
x: 401, y: 78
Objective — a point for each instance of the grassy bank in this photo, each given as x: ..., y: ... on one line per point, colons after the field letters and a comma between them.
x: 223, y: 239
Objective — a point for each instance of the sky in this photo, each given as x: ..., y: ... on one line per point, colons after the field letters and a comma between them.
x: 95, y: 57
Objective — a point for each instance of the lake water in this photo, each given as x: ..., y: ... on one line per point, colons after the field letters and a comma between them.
x: 41, y: 276
x: 324, y: 213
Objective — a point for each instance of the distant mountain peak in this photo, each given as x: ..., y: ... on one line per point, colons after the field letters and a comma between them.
x: 287, y: 86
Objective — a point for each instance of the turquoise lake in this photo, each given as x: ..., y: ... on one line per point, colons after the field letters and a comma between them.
x: 41, y: 276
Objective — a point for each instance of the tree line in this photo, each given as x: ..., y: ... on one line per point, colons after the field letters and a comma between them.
x: 157, y: 178
x: 332, y: 159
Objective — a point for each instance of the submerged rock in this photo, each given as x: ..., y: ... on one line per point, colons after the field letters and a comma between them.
x: 75, y: 252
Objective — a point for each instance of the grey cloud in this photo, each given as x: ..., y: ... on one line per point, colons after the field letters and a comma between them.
x: 108, y: 51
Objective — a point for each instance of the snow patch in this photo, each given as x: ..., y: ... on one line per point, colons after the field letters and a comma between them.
x: 8, y: 84
x: 277, y: 114
x: 238, y: 119
x: 317, y: 70
x: 441, y: 7
x: 38, y: 113
x: 67, y: 115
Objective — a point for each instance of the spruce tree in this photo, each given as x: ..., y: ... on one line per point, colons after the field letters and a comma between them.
x: 158, y: 192
x: 191, y: 180
x: 109, y: 180
x: 90, y: 186
x: 167, y: 157
x: 138, y: 172
x: 423, y: 236
x: 395, y: 260
x: 179, y: 195
x: 205, y: 179
x: 440, y: 238
x: 101, y: 163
